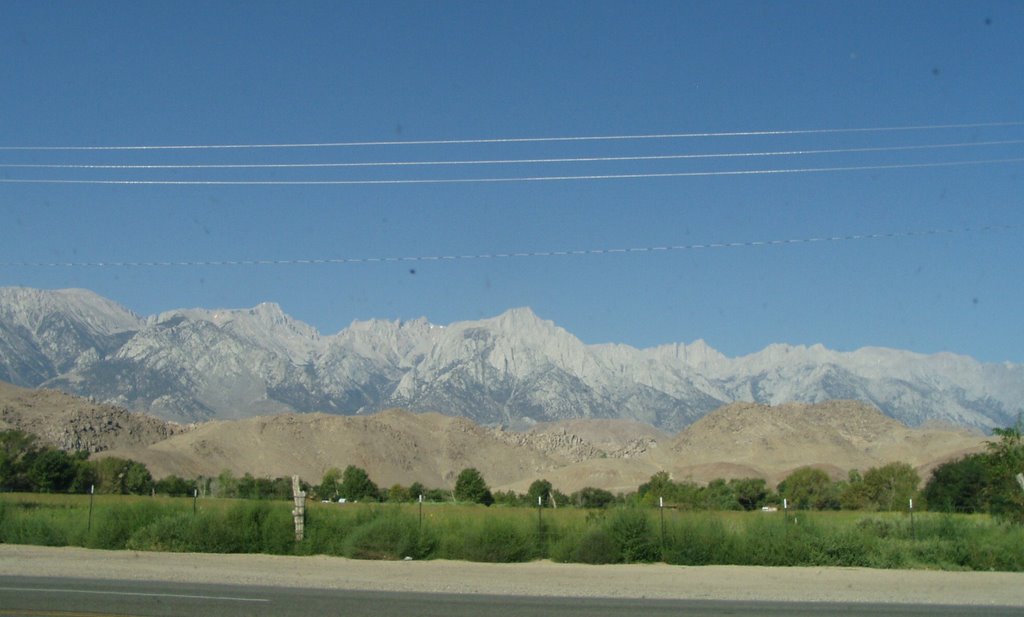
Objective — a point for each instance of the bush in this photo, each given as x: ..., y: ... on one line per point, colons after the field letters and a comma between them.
x: 698, y: 541
x: 631, y: 529
x: 392, y: 535
x: 843, y: 547
x: 36, y: 530
x: 495, y: 540
x: 114, y: 525
x: 771, y: 542
x: 175, y: 533
x: 246, y: 527
x: 260, y: 527
x: 327, y: 531
x: 596, y: 547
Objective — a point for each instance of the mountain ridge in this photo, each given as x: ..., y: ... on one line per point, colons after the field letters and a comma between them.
x: 514, y: 370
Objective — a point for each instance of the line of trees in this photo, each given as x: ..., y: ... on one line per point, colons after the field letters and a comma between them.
x: 881, y: 488
x: 26, y: 465
x: 983, y: 482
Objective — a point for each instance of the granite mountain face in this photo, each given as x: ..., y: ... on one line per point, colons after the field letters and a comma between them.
x: 511, y: 370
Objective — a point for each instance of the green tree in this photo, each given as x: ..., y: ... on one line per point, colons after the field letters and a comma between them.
x: 17, y: 449
x: 437, y: 495
x: 470, y: 486
x: 398, y: 493
x: 1006, y: 460
x: 660, y: 485
x: 85, y: 474
x: 247, y: 487
x: 591, y: 497
x: 356, y: 485
x: 174, y: 486
x: 750, y: 493
x: 539, y: 490
x: 809, y: 488
x: 416, y: 489
x: 719, y: 495
x: 138, y: 480
x: 330, y: 484
x: 110, y: 475
x: 959, y: 486
x: 52, y: 471
x: 510, y: 498
x: 891, y: 486
x: 281, y: 488
x: 854, y: 493
x: 227, y: 484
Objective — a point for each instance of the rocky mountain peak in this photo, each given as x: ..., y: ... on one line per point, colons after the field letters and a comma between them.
x: 30, y: 308
x: 514, y: 369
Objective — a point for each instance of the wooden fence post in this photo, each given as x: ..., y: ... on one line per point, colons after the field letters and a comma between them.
x: 299, y: 512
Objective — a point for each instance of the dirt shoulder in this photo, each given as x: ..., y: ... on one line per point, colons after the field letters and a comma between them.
x: 534, y: 579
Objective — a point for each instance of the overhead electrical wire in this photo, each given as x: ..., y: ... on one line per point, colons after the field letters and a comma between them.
x: 394, y: 164
x: 492, y: 180
x: 512, y: 255
x: 505, y: 140
x: 593, y: 159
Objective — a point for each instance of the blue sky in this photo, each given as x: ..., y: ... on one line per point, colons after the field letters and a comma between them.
x: 228, y: 73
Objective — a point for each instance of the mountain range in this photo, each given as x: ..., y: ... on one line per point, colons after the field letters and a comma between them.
x: 513, y: 370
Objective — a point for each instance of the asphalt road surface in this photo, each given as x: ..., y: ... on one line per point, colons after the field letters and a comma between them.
x: 76, y: 582
x: 73, y: 597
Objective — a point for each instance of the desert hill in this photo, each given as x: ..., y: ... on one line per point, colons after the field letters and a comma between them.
x: 836, y: 436
x: 73, y: 423
x: 399, y: 447
x: 396, y: 446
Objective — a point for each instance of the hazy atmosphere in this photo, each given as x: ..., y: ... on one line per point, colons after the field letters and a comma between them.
x: 838, y: 173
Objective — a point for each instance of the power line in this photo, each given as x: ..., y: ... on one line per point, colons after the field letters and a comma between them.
x: 596, y: 159
x: 500, y: 140
x: 633, y: 176
x: 511, y: 255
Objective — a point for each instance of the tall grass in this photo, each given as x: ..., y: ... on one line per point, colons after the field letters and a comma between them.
x: 446, y: 531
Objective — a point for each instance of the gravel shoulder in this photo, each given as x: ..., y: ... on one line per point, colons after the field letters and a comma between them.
x: 540, y: 578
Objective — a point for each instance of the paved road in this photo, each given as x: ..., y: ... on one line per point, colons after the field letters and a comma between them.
x: 72, y: 597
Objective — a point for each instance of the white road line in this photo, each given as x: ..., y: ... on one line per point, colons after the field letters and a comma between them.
x: 133, y: 593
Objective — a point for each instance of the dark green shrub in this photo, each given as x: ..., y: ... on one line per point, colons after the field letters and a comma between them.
x: 390, y: 536
x: 877, y: 528
x: 327, y: 531
x: 1000, y: 549
x: 842, y: 547
x: 246, y: 527
x: 261, y: 527
x: 497, y: 541
x: 772, y: 542
x: 597, y: 546
x: 114, y: 525
x: 32, y: 530
x: 175, y: 533
x: 631, y: 529
x: 700, y: 541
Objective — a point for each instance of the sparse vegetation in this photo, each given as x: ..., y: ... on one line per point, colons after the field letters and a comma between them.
x: 618, y: 535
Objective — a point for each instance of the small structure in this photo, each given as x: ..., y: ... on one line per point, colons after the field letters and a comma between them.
x: 299, y: 512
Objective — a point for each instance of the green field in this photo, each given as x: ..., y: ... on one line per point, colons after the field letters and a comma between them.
x: 497, y: 534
